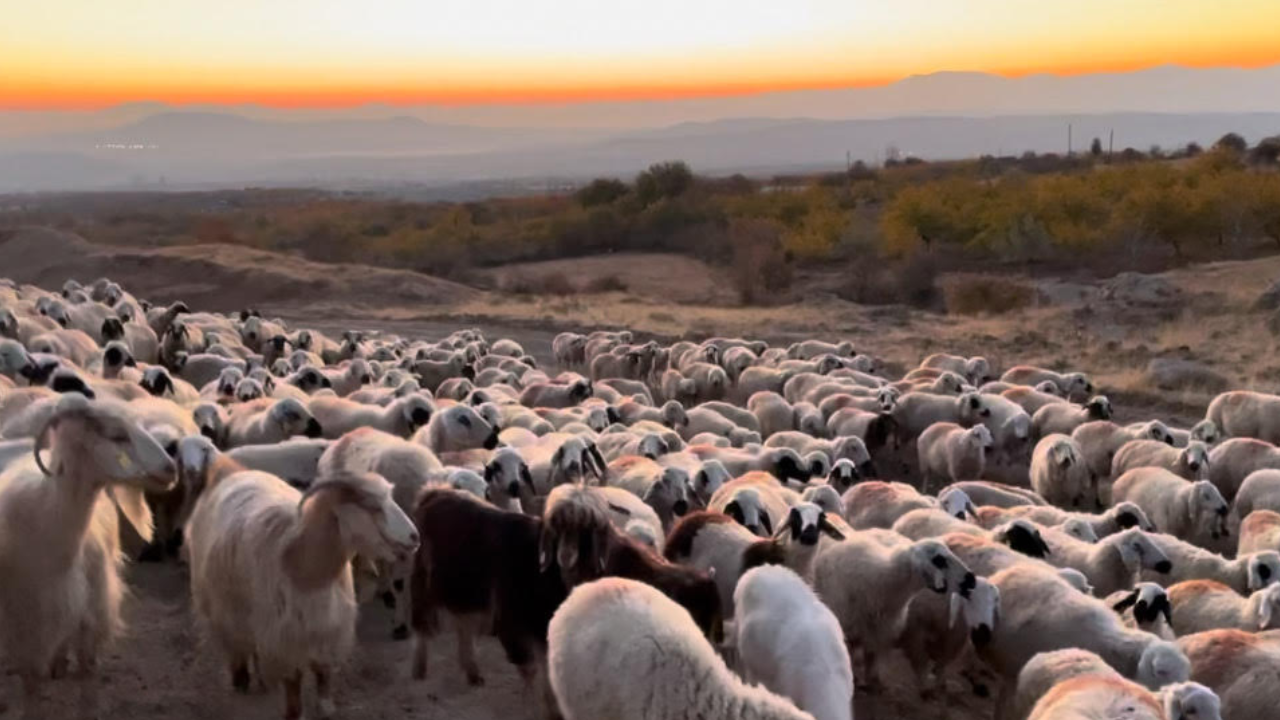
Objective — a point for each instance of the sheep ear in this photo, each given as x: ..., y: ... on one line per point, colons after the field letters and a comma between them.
x: 132, y: 504
x: 955, y: 605
x: 1126, y: 602
x: 832, y: 531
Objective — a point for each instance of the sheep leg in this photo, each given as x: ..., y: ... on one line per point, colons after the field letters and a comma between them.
x: 324, y: 690
x: 400, y: 589
x: 420, y: 656
x: 293, y: 697
x: 466, y: 632
x: 240, y: 677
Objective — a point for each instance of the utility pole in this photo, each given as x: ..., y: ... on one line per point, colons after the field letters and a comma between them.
x: 1111, y: 144
x: 1068, y: 139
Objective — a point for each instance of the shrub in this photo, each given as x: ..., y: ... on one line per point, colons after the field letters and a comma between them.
x: 760, y: 267
x: 974, y: 294
x: 555, y: 283
x: 606, y: 284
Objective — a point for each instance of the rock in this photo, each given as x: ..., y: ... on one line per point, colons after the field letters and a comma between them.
x: 1178, y: 374
x: 1269, y: 299
x: 1133, y: 288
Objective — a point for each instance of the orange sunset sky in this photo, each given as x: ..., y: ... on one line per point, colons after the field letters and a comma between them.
x: 86, y: 53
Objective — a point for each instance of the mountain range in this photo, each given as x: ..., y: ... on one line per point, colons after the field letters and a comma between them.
x: 944, y: 115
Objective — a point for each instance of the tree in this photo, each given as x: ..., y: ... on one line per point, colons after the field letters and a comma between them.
x: 601, y: 191
x: 1266, y: 205
x: 1233, y: 142
x: 663, y: 180
x: 1266, y: 152
x: 1095, y: 148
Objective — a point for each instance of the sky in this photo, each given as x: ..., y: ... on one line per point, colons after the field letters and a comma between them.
x: 78, y: 54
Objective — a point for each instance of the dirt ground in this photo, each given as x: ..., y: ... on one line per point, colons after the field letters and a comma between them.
x: 160, y: 671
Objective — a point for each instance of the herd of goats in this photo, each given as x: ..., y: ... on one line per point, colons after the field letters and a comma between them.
x: 720, y: 529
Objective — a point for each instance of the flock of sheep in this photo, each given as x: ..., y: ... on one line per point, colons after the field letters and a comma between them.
x: 715, y: 529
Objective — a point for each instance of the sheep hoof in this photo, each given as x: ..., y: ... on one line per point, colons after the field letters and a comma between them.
x: 475, y: 679
x: 389, y: 599
x: 981, y: 690
x: 400, y: 633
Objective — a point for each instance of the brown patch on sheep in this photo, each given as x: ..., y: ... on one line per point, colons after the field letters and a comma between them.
x: 679, y: 542
x: 1101, y: 683
x: 1217, y: 656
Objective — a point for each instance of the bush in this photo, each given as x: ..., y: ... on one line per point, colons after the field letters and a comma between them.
x: 760, y: 267
x: 974, y: 294
x: 601, y: 191
x: 606, y: 284
x: 555, y: 283
x: 916, y: 282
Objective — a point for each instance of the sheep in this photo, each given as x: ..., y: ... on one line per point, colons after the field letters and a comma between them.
x: 1244, y: 413
x: 560, y: 458
x: 140, y: 339
x: 705, y: 476
x: 1063, y: 418
x: 1240, y: 667
x: 915, y: 412
x: 1072, y: 385
x: 569, y: 349
x: 993, y: 494
x: 65, y: 599
x: 1114, y: 519
x: 456, y: 428
x: 934, y: 630
x: 1076, y: 683
x: 1193, y: 511
x: 1259, y: 531
x: 1111, y: 564
x: 844, y: 571
x: 1200, y: 605
x: 877, y: 504
x: 271, y: 572
x: 1044, y: 613
x: 269, y: 422
x: 1191, y: 462
x: 1011, y: 429
x: 632, y: 517
x: 758, y: 379
x: 826, y: 497
x: 777, y: 614
x: 949, y: 451
x: 554, y: 395
x: 403, y: 417
x: 1146, y: 607
x: 1099, y: 440
x: 73, y: 345
x: 849, y: 448
x: 635, y: 627
x: 1244, y: 574
x: 1204, y: 431
x: 1060, y: 476
x: 1234, y: 460
x: 1183, y: 701
x: 977, y: 370
x: 296, y: 461
x: 701, y: 420
x: 211, y: 420
x: 665, y: 489
x: 756, y: 501
x: 783, y: 463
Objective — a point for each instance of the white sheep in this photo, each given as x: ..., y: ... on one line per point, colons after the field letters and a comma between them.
x: 1191, y: 462
x: 756, y: 501
x: 665, y: 489
x: 296, y: 461
x: 1190, y: 701
x: 1244, y: 574
x: 1099, y: 440
x: 994, y: 494
x: 1244, y: 413
x: 788, y: 641
x: 878, y: 504
x: 1064, y: 418
x: 616, y: 628
x: 1259, y: 491
x: 1074, y: 683
x: 1193, y: 511
x: 1060, y: 475
x: 1234, y: 460
x: 338, y: 416
x: 949, y: 451
x: 266, y: 421
x: 1042, y: 612
x: 271, y: 572
x: 65, y: 599
x: 1120, y: 516
x: 1240, y: 667
x: 976, y: 369
x: 1200, y: 605
x: 455, y: 428
x: 866, y: 584
x: 1111, y: 564
x: 1206, y: 431
x: 1259, y: 531
x: 1072, y: 385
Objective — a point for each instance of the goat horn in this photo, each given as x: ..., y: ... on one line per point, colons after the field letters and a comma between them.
x: 41, y: 439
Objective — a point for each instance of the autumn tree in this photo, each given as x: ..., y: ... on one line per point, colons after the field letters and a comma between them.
x: 663, y: 180
x: 601, y: 191
x: 1095, y: 148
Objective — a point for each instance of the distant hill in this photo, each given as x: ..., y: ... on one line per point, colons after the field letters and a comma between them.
x: 944, y: 115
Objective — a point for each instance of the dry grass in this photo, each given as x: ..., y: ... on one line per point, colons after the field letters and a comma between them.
x: 989, y: 294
